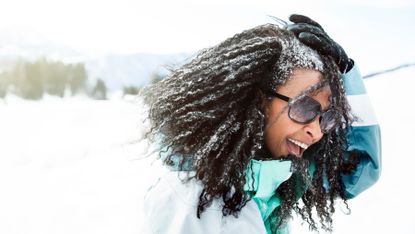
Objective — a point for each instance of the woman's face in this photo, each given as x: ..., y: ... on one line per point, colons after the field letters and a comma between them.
x: 283, y: 136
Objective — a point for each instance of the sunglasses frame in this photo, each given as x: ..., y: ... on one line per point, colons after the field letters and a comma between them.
x: 319, y: 113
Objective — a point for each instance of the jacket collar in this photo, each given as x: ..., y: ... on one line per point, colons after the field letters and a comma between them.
x: 263, y: 178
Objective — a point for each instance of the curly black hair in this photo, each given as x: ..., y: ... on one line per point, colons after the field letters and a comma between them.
x: 208, y: 118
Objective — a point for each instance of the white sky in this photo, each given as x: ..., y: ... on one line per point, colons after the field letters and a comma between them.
x: 157, y: 26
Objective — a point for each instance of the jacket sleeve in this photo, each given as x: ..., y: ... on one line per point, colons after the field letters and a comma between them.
x: 170, y: 206
x: 363, y: 138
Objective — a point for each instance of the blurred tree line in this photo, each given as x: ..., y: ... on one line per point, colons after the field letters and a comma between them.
x: 31, y: 80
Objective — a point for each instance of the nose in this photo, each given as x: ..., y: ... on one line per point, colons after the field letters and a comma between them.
x: 313, y: 129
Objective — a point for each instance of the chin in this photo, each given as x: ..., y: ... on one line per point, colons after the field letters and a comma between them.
x: 294, y: 157
x: 282, y: 157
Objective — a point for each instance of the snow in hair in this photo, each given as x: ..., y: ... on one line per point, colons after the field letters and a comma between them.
x: 294, y: 54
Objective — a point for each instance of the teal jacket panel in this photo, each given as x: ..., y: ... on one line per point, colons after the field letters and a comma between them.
x: 364, y: 137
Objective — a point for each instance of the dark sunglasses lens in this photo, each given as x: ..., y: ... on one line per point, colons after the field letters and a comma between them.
x: 328, y: 120
x: 304, y: 110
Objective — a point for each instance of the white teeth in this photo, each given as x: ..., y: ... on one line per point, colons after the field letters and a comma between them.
x: 302, y: 145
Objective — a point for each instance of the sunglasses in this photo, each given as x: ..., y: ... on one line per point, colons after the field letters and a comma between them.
x: 306, y: 109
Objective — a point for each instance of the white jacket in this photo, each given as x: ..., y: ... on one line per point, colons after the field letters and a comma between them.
x: 170, y: 207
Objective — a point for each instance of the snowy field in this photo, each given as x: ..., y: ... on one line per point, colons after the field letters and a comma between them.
x: 72, y: 165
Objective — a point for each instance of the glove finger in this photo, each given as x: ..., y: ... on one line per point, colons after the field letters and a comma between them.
x: 320, y: 44
x: 302, y: 27
x: 325, y: 47
x: 295, y: 18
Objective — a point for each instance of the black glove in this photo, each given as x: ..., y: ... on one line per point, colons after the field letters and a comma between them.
x: 313, y: 35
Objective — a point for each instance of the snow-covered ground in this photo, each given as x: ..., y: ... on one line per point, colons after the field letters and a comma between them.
x: 72, y: 165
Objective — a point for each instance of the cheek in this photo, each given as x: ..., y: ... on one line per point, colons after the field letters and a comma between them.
x: 276, y: 134
x: 276, y: 130
x: 278, y: 126
x: 272, y: 142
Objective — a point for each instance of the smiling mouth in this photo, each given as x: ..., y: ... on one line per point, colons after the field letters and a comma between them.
x: 295, y: 147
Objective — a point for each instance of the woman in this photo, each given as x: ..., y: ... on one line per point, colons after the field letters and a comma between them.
x: 254, y: 125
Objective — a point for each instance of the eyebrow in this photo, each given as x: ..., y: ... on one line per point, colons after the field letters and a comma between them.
x: 314, y: 89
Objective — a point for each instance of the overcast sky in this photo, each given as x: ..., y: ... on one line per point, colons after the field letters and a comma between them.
x: 127, y: 26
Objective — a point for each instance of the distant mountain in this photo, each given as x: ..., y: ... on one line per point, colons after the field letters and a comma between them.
x: 16, y: 43
x: 135, y: 69
x: 116, y: 70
